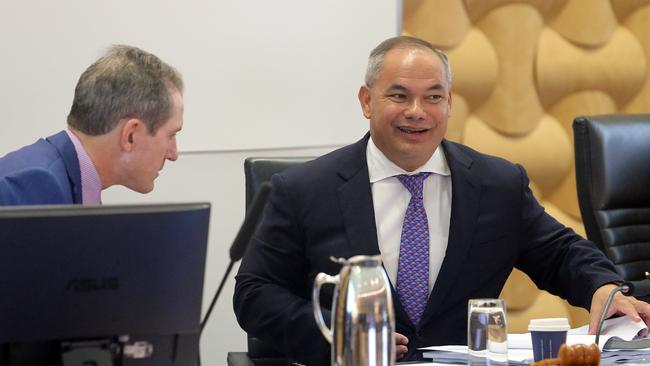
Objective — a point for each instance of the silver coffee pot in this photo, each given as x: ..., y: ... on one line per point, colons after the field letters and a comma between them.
x: 363, y: 319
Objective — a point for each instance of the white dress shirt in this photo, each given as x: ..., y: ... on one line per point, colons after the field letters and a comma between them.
x: 91, y: 184
x: 390, y: 200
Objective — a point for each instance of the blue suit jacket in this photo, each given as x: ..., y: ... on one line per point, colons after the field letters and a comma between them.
x: 46, y: 172
x: 324, y: 208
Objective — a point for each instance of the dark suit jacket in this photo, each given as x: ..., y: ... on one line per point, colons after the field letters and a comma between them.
x: 324, y: 208
x: 46, y: 172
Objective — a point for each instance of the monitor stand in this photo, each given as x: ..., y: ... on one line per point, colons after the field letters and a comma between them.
x: 90, y: 353
x: 103, y: 352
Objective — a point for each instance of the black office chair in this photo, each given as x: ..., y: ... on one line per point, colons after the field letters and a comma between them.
x: 257, y: 172
x: 260, y: 170
x: 612, y: 156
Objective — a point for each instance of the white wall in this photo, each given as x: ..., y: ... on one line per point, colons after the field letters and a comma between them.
x: 263, y: 78
x: 261, y: 66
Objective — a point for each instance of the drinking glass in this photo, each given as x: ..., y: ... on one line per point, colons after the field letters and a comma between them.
x: 487, y: 332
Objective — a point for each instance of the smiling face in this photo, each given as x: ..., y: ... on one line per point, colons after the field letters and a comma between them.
x: 149, y: 152
x: 408, y: 106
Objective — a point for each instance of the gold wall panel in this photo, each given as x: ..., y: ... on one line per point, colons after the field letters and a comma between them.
x: 623, y: 8
x: 546, y: 151
x: 476, y: 9
x: 618, y: 68
x: 589, y: 102
x: 421, y: 20
x: 459, y: 115
x: 522, y: 70
x: 590, y: 31
x: 515, y: 47
x: 476, y: 60
x: 639, y: 24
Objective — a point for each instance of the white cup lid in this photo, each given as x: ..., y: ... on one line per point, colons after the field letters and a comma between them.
x: 548, y: 324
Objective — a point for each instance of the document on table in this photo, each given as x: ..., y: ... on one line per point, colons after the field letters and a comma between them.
x: 622, y: 340
x: 458, y: 355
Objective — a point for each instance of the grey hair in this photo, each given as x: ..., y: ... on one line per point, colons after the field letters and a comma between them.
x: 126, y: 82
x: 376, y: 59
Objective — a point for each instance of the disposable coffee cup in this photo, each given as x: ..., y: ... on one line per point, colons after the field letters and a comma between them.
x: 547, y: 336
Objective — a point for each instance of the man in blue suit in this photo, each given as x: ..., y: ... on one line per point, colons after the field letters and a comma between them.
x: 122, y: 126
x: 481, y: 218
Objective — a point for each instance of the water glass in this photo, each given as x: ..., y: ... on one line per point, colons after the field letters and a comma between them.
x: 487, y: 332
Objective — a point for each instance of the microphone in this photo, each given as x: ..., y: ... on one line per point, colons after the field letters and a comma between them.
x: 627, y: 288
x: 244, y: 236
x: 636, y: 288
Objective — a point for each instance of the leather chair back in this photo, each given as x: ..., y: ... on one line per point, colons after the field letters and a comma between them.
x: 258, y: 171
x: 612, y: 156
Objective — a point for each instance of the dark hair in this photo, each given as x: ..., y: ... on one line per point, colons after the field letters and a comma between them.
x: 127, y: 82
x: 376, y: 59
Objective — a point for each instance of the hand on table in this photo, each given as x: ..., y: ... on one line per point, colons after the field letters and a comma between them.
x: 623, y: 305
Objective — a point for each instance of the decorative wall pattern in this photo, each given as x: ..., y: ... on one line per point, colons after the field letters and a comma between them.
x: 522, y: 70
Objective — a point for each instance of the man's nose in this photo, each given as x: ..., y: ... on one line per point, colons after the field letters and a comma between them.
x: 172, y: 152
x: 414, y: 110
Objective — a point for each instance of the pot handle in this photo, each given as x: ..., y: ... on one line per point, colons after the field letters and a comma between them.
x: 320, y: 280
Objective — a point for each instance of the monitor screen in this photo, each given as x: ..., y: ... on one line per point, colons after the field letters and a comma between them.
x: 84, y: 285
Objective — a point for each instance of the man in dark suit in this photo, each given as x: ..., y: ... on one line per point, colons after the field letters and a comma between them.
x: 482, y: 220
x: 122, y: 126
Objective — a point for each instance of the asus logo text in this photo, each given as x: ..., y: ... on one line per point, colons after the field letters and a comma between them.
x: 93, y: 284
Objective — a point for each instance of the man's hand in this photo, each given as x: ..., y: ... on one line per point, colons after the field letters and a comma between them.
x: 621, y: 305
x: 400, y: 346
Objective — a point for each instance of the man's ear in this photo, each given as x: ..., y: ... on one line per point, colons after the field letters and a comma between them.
x: 364, y: 100
x: 128, y: 133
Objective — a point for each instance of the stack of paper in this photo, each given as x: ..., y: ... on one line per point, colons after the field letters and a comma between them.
x: 621, y: 341
x: 458, y: 355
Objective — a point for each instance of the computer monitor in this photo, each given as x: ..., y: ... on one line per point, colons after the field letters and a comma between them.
x: 102, y: 285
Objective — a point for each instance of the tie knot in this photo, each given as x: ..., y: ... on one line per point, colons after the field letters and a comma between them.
x: 414, y: 183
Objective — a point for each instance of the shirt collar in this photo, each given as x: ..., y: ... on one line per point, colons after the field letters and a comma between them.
x: 91, y: 184
x: 380, y: 167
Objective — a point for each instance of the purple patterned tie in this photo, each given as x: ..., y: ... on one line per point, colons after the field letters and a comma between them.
x: 413, y: 269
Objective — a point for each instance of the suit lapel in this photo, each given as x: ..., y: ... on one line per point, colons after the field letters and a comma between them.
x: 464, y: 212
x: 355, y: 199
x: 66, y: 150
